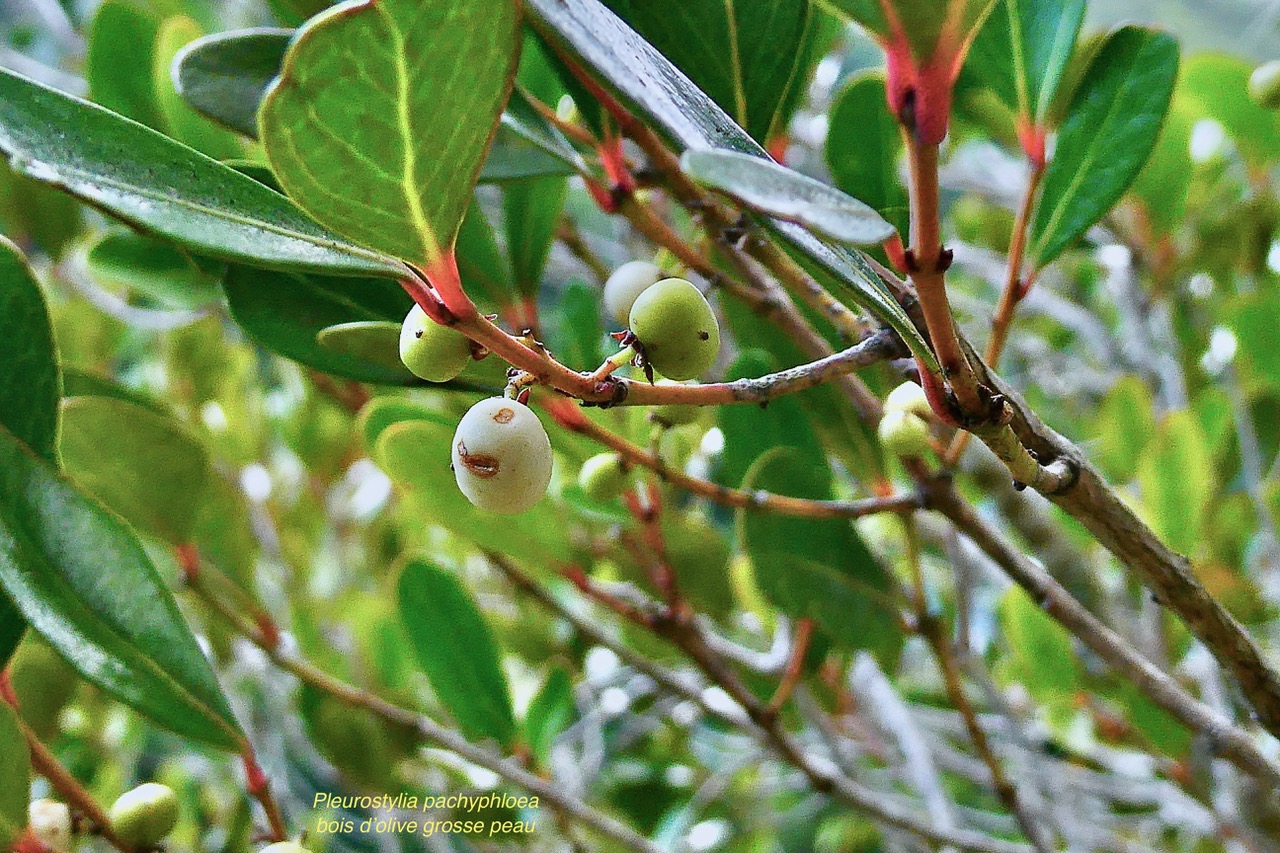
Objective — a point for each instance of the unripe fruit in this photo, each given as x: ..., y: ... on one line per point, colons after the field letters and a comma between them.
x: 285, y: 847
x: 674, y: 414
x: 909, y: 397
x: 675, y: 325
x: 502, y: 456
x: 50, y: 823
x: 903, y: 434
x: 144, y: 816
x: 603, y: 477
x: 1264, y: 85
x: 625, y: 286
x: 431, y: 351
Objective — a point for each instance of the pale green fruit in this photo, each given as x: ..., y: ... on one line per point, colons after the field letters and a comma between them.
x: 50, y: 823
x: 675, y: 324
x: 903, y: 434
x: 675, y: 415
x: 146, y: 815
x: 603, y: 477
x: 909, y: 397
x: 502, y: 456
x: 432, y: 352
x: 625, y: 286
x: 1264, y: 84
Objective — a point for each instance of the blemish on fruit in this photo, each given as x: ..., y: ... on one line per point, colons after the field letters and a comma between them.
x: 482, y: 465
x: 503, y: 416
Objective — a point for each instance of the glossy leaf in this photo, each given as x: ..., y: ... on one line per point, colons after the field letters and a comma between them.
x: 105, y: 442
x: 483, y: 269
x: 226, y: 75
x: 1217, y: 86
x: 161, y: 186
x: 181, y: 121
x: 1176, y: 475
x: 550, y: 712
x: 863, y: 147
x: 29, y: 382
x: 15, y: 782
x: 751, y: 431
x: 532, y: 210
x: 818, y: 569
x: 653, y: 86
x: 921, y: 22
x: 775, y: 190
x: 83, y: 582
x: 1110, y: 130
x: 153, y: 267
x: 747, y: 55
x: 457, y: 651
x: 1022, y: 52
x: 121, y: 35
x: 430, y: 79
x: 373, y: 341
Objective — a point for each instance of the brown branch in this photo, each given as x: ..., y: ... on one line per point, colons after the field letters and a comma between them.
x: 794, y: 670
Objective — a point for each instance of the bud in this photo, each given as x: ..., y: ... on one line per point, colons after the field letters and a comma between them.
x: 51, y: 824
x: 904, y: 434
x: 1264, y: 85
x: 146, y: 815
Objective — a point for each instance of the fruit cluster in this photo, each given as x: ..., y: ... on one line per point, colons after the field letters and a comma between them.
x: 501, y: 454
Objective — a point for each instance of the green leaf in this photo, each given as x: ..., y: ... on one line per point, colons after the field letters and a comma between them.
x: 1022, y: 52
x: 226, y: 75
x: 528, y: 146
x: 373, y: 341
x: 83, y: 582
x: 863, y: 147
x: 15, y: 782
x: 775, y: 190
x: 1165, y: 182
x: 1111, y: 127
x: 1217, y: 86
x: 1124, y: 427
x: 108, y: 443
x: 691, y: 120
x: 161, y: 186
x: 748, y: 55
x: 286, y: 313
x: 751, y: 431
x: 153, y: 267
x: 181, y: 121
x: 480, y: 263
x: 120, y: 36
x: 12, y: 627
x: 1176, y: 475
x: 456, y: 650
x: 1040, y: 654
x: 532, y: 211
x: 922, y: 22
x: 574, y: 330
x: 29, y: 383
x: 818, y: 569
x: 550, y: 712
x: 435, y: 74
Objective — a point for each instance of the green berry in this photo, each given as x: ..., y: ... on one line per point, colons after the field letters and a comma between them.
x: 675, y: 324
x: 603, y: 477
x: 146, y: 815
x: 674, y: 414
x: 502, y: 456
x: 1264, y: 84
x: 904, y: 434
x: 431, y: 351
x: 50, y: 823
x: 909, y: 397
x: 625, y: 286
x: 285, y: 847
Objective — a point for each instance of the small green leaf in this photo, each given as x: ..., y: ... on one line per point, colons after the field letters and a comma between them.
x: 783, y: 193
x: 456, y: 650
x: 1217, y: 86
x: 1176, y: 475
x: 373, y: 341
x: 181, y: 121
x: 29, y: 382
x: 15, y: 782
x: 121, y: 35
x: 1110, y: 130
x: 161, y: 186
x: 532, y: 211
x: 550, y: 712
x: 1022, y: 52
x: 225, y: 76
x: 107, y: 442
x: 1039, y: 649
x: 1124, y: 427
x: 435, y: 73
x: 923, y: 23
x: 528, y: 146
x: 154, y: 268
x: 574, y: 330
x: 863, y: 147
x: 83, y: 582
x: 818, y: 569
x: 480, y: 262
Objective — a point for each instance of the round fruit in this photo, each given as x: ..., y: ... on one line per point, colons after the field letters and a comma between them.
x: 678, y: 330
x: 903, y: 434
x: 674, y: 414
x: 50, y: 823
x: 909, y: 397
x: 625, y: 286
x: 1264, y: 85
x: 431, y: 351
x: 285, y: 847
x: 502, y: 456
x: 603, y: 477
x: 144, y: 816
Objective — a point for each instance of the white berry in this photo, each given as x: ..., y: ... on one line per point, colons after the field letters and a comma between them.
x: 51, y: 824
x: 625, y: 286
x: 909, y: 397
x: 502, y: 456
